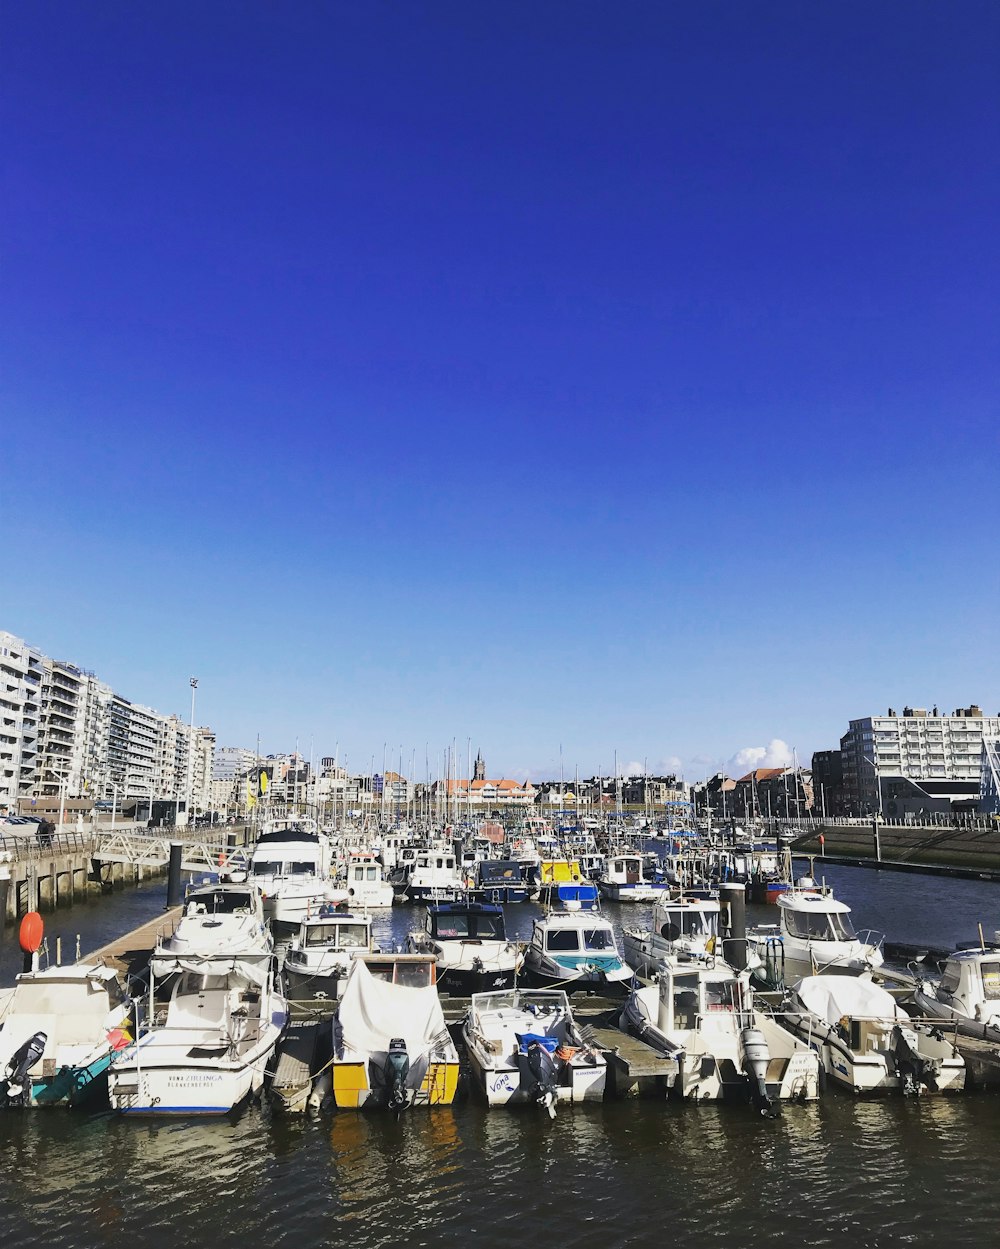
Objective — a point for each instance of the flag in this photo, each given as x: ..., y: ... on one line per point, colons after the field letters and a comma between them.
x: 251, y: 796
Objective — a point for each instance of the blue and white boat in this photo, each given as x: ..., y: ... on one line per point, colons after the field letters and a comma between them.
x: 575, y: 947
x: 500, y: 881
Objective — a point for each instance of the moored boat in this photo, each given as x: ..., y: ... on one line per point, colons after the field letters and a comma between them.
x: 391, y: 1045
x: 524, y: 1046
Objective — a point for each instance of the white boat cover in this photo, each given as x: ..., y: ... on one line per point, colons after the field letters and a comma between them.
x: 372, y: 1012
x: 833, y: 997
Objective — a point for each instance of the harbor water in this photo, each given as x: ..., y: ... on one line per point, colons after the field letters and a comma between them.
x: 837, y: 1172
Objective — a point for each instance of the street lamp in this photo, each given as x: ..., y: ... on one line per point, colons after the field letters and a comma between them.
x: 878, y: 781
x: 190, y: 785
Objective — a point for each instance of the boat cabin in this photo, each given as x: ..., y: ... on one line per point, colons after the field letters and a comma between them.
x: 342, y: 931
x: 815, y: 917
x: 415, y: 971
x: 970, y: 983
x: 472, y: 922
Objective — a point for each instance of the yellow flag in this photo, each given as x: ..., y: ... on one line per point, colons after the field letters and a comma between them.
x: 251, y: 796
x: 264, y: 782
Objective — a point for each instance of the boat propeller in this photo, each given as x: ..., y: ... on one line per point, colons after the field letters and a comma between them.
x: 756, y: 1057
x: 543, y: 1067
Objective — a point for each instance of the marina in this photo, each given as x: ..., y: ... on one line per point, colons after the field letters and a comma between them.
x: 636, y: 1150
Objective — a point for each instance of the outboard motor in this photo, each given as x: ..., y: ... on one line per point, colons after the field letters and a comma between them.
x: 397, y: 1068
x: 756, y: 1056
x: 543, y: 1067
x: 22, y: 1060
x: 911, y: 1067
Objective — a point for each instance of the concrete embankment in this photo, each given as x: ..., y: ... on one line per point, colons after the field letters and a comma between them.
x: 75, y: 865
x: 973, y: 852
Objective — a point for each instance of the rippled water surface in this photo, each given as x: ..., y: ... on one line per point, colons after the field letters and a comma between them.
x: 839, y: 1172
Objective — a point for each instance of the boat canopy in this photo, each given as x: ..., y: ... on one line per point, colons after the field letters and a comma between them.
x: 833, y: 997
x: 374, y: 1012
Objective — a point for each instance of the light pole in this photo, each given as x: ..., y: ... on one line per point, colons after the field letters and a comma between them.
x: 193, y: 681
x: 878, y: 781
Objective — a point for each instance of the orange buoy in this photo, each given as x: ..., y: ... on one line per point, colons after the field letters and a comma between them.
x: 31, y: 932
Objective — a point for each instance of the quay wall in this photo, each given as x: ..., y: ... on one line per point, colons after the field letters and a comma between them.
x: 971, y: 850
x: 37, y: 877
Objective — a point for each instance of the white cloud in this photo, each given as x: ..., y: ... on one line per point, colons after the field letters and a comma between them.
x: 776, y: 754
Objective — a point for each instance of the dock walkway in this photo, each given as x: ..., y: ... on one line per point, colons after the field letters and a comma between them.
x: 130, y: 953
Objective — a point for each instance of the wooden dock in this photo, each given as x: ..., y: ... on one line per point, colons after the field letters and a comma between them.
x: 129, y: 954
x: 302, y: 1053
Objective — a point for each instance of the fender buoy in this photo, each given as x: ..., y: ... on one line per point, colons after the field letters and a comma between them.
x: 31, y: 932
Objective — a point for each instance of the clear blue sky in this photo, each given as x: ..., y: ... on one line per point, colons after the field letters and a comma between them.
x: 620, y: 376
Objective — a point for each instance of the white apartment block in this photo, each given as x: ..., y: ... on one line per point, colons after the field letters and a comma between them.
x: 941, y: 755
x: 21, y: 672
x: 62, y: 731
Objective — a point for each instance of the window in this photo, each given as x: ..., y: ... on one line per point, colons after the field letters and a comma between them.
x: 563, y: 939
x: 991, y: 981
x: 598, y: 939
x: 820, y: 926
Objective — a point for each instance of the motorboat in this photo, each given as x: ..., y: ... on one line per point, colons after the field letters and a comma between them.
x: 208, y: 1048
x: 814, y: 935
x: 469, y: 941
x: 624, y: 879
x: 216, y: 919
x: 319, y: 957
x: 552, y: 873
x: 59, y: 1029
x: 576, y: 948
x: 500, y: 881
x: 680, y: 926
x: 365, y: 882
x: 291, y: 866
x: 865, y: 1040
x: 524, y: 1046
x: 701, y: 1014
x: 391, y: 1045
x: 966, y: 994
x: 434, y: 877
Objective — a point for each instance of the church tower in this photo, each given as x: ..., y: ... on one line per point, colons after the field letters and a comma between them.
x: 479, y: 772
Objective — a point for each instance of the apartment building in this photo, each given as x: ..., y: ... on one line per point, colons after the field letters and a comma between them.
x: 21, y: 673
x: 915, y: 761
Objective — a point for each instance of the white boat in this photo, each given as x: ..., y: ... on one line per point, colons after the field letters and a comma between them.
x: 319, y: 956
x: 469, y: 941
x: 391, y: 1045
x: 624, y: 880
x: 524, y: 1046
x: 434, y: 877
x: 216, y: 919
x: 814, y: 935
x: 967, y: 993
x: 291, y: 866
x: 680, y: 926
x: 365, y: 882
x: 576, y: 949
x: 58, y: 1031
x: 209, y: 1048
x: 865, y: 1040
x: 702, y: 1015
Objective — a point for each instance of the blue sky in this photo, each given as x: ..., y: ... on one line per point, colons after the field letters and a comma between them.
x: 618, y: 377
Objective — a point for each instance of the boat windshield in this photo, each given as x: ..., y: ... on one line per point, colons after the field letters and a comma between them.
x: 688, y: 924
x: 722, y: 995
x: 820, y: 925
x: 272, y: 867
x: 598, y: 939
x: 563, y: 939
x: 222, y: 902
x: 342, y: 936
